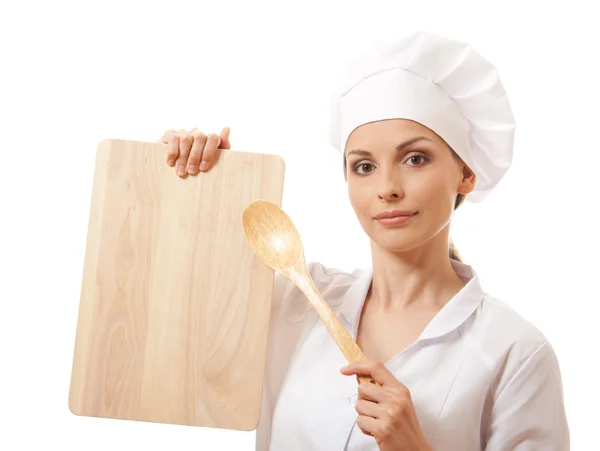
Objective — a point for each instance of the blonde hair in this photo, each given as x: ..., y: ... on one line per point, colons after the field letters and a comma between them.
x: 454, y: 255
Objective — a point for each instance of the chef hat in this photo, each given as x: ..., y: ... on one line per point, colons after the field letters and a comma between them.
x: 443, y: 84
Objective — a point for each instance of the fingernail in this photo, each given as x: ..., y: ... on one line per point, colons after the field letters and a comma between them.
x: 171, y: 161
x: 192, y: 169
x: 181, y: 170
x: 203, y: 165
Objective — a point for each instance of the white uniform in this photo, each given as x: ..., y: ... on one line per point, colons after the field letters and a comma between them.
x: 480, y: 376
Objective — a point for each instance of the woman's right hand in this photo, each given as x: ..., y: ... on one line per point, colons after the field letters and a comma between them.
x: 191, y: 152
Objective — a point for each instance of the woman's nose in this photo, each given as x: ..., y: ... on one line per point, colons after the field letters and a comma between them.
x: 389, y: 187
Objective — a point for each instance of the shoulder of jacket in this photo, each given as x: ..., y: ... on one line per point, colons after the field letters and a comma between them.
x: 503, y: 339
x: 514, y: 328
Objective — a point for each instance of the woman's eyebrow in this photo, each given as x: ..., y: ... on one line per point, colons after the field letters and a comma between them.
x: 399, y: 147
x: 405, y: 144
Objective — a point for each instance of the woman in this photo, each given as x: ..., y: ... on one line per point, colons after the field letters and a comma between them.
x: 423, y: 123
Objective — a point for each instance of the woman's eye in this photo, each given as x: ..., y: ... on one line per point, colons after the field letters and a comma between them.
x: 364, y: 168
x: 417, y: 160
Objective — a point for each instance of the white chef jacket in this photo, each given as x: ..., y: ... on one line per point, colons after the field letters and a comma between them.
x: 480, y: 376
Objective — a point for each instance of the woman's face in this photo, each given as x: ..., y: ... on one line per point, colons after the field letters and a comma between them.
x: 401, y: 168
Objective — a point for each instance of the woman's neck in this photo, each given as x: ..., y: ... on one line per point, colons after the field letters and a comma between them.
x: 420, y: 278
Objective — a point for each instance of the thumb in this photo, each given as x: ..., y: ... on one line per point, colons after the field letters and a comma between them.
x: 225, y: 144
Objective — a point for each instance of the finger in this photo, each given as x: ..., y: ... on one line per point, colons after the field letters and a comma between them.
x: 376, y: 370
x: 211, y: 152
x: 185, y: 145
x: 367, y: 425
x: 172, y: 149
x: 166, y: 137
x: 372, y: 392
x: 196, y: 151
x: 225, y: 144
x: 369, y: 408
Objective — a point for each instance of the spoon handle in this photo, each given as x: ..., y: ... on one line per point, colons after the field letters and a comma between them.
x: 343, y: 339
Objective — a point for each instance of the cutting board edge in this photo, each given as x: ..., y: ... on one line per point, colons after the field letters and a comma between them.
x: 107, y: 143
x: 90, y: 259
x: 250, y: 427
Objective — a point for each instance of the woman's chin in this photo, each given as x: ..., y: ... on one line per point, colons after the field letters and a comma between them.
x: 396, y: 242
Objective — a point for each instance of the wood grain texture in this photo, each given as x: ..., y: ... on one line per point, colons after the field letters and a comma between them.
x: 174, y: 309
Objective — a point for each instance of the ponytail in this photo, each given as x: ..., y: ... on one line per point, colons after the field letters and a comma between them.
x: 454, y: 255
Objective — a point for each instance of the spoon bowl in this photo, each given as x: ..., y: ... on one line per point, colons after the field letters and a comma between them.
x: 272, y: 235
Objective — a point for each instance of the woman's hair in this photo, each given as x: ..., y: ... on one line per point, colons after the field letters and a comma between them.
x: 454, y: 255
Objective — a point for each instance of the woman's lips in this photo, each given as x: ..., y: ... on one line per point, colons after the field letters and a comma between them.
x: 394, y: 217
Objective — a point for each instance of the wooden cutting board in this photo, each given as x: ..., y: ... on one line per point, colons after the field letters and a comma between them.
x: 174, y: 309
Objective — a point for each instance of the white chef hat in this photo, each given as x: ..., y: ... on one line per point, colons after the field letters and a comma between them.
x: 443, y: 84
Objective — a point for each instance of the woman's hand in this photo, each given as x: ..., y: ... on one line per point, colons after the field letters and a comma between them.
x: 193, y: 151
x: 386, y: 411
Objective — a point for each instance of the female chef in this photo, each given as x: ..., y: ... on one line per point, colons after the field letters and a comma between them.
x: 423, y: 123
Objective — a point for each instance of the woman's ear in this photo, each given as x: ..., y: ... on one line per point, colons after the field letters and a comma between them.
x: 467, y: 183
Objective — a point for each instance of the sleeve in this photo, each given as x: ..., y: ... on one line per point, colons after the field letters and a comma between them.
x: 281, y: 343
x: 529, y: 413
x: 281, y: 288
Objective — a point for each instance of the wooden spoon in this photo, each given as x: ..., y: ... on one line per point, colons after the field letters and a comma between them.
x: 276, y: 241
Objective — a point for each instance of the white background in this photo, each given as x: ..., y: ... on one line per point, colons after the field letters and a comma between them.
x: 73, y: 73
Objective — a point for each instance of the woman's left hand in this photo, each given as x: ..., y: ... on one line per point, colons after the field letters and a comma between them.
x: 386, y: 411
